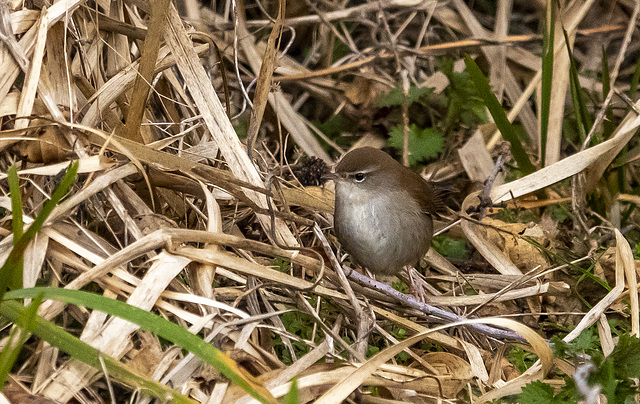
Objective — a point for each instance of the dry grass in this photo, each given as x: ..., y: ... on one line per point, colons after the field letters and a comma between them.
x: 171, y: 213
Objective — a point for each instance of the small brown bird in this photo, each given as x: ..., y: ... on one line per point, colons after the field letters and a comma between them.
x: 383, y: 211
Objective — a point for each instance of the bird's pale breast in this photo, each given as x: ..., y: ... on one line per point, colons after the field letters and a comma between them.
x: 381, y: 235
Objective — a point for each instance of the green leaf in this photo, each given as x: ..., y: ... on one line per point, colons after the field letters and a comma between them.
x: 292, y: 397
x: 423, y: 143
x: 606, y: 378
x: 499, y: 116
x: 15, y: 275
x: 582, y: 115
x: 13, y: 262
x: 16, y: 202
x: 451, y: 247
x: 334, y: 126
x: 521, y: 358
x: 559, y: 346
x: 547, y: 76
x: 465, y: 107
x: 158, y: 325
x: 616, y: 374
x: 281, y: 264
x: 559, y: 213
x: 587, y: 341
x: 609, y: 123
x: 372, y: 350
x: 17, y: 337
x: 395, y: 96
x: 626, y: 356
x: 84, y: 352
x: 536, y: 393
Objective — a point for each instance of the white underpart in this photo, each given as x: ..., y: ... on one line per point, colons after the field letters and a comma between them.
x: 388, y: 235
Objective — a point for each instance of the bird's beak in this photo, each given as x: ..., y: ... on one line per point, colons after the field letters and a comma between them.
x: 329, y: 176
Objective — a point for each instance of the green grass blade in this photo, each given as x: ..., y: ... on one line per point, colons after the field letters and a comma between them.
x: 164, y: 328
x: 15, y: 256
x: 14, y: 275
x: 18, y: 336
x: 609, y: 123
x: 582, y: 115
x: 606, y: 79
x: 84, y: 352
x: 548, y: 38
x: 16, y: 202
x: 499, y: 116
x: 293, y: 395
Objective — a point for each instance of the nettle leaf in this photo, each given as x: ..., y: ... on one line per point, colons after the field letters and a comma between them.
x: 587, y: 341
x: 539, y: 392
x: 465, y: 105
x: 626, y: 357
x: 559, y: 346
x: 395, y: 96
x: 617, y: 372
x: 423, y: 143
x: 451, y: 247
x: 536, y: 393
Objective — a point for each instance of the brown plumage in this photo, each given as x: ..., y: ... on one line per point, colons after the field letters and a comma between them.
x: 383, y: 215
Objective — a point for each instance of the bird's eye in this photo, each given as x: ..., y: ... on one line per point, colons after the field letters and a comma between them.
x: 359, y: 177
